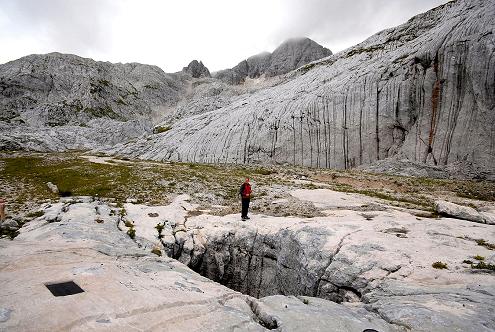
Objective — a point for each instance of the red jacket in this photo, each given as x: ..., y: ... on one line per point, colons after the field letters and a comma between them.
x: 245, y: 190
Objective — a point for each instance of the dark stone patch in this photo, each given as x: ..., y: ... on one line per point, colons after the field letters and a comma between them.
x: 64, y: 288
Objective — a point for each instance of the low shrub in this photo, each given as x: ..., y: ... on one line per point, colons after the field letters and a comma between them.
x: 156, y: 251
x: 439, y: 265
x: 484, y: 266
x: 161, y: 129
x: 131, y: 232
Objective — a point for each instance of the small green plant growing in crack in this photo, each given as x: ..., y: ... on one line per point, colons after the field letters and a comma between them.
x: 479, y: 258
x: 157, y: 251
x: 35, y: 214
x: 159, y: 227
x: 487, y: 245
x: 131, y: 232
x: 483, y: 266
x: 161, y: 129
x: 439, y: 265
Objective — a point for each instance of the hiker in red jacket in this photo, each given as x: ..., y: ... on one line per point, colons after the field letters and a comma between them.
x: 245, y: 193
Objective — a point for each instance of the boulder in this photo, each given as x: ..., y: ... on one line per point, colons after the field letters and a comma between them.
x: 53, y: 187
x: 9, y: 225
x: 459, y: 211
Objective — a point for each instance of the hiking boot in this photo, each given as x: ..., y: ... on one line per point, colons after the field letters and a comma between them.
x: 247, y: 217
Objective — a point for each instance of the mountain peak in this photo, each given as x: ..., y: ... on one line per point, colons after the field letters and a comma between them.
x: 197, y: 69
x: 289, y: 55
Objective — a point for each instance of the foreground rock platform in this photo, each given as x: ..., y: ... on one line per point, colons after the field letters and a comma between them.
x: 128, y: 288
x: 365, y: 265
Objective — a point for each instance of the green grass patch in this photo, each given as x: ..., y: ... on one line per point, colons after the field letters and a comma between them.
x: 263, y: 171
x: 156, y: 251
x: 132, y: 233
x: 36, y: 214
x: 161, y: 129
x: 484, y: 266
x: 487, y: 245
x: 439, y: 265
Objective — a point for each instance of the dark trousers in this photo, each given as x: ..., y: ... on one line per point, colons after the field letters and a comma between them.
x: 245, y: 207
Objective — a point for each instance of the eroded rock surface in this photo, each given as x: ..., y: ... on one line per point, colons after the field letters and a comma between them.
x: 197, y: 69
x: 378, y: 261
x: 127, y: 287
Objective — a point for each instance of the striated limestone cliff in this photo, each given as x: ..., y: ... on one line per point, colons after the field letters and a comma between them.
x: 424, y: 91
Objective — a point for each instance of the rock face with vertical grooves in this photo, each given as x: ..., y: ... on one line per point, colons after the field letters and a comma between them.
x: 423, y: 91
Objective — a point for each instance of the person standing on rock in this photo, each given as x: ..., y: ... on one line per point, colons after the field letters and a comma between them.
x: 245, y: 193
x: 2, y: 209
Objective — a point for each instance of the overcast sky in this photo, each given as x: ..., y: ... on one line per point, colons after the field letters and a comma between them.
x: 171, y: 33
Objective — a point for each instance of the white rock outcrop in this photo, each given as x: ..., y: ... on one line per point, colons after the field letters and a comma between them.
x: 380, y: 261
x: 126, y: 287
x: 464, y: 212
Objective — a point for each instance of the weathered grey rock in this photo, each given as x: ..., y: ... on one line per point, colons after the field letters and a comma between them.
x: 295, y: 53
x: 196, y: 69
x: 419, y: 90
x: 489, y: 217
x: 253, y: 67
x: 289, y: 313
x: 55, y: 102
x: 9, y: 225
x: 404, y: 167
x: 53, y: 187
x: 4, y: 314
x: 463, y: 212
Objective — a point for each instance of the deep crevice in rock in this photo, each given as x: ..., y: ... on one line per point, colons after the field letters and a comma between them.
x: 259, y: 264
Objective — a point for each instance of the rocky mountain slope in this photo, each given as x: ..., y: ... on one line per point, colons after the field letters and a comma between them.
x: 56, y: 102
x: 422, y: 91
x: 59, y: 101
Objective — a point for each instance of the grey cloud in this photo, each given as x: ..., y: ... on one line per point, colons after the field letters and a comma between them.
x: 340, y: 21
x: 79, y: 26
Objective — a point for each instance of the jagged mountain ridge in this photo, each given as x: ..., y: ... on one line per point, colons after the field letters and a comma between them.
x: 56, y: 102
x: 423, y: 91
x: 290, y: 55
x: 61, y: 101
